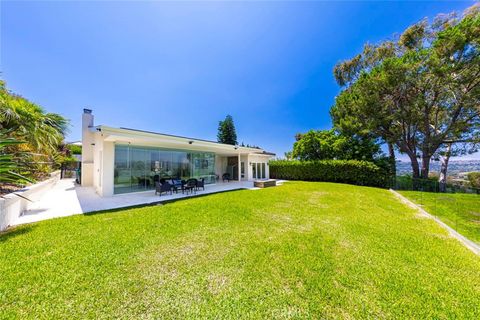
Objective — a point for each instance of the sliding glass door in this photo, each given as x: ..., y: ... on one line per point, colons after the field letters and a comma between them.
x: 139, y: 168
x: 258, y: 170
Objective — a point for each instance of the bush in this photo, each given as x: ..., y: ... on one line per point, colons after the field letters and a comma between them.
x: 344, y: 171
x: 474, y: 178
x: 74, y: 149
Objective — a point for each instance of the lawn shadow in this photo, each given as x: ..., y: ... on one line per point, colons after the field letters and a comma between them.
x: 158, y: 203
x: 14, y: 232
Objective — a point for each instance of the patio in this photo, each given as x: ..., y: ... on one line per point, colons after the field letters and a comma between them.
x: 66, y: 199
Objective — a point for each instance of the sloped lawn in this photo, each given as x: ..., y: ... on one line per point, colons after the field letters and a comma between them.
x: 459, y: 211
x: 301, y: 250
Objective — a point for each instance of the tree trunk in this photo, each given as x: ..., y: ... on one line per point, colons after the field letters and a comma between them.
x: 393, y: 164
x: 415, y: 166
x: 425, y: 166
x: 442, y: 180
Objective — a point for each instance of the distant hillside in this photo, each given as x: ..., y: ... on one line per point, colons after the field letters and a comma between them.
x: 454, y: 167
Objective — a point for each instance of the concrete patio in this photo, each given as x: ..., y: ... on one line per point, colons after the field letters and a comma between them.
x: 67, y: 198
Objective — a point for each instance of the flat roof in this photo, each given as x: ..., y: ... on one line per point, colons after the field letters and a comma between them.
x: 251, y: 149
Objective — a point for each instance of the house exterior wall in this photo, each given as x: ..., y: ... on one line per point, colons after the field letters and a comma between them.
x: 220, y: 165
x: 244, y: 159
x: 88, y: 140
x: 98, y: 153
x: 103, y: 166
x: 258, y: 159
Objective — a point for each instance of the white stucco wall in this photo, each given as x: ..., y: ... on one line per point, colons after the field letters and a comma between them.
x: 88, y: 139
x: 108, y: 168
x: 258, y: 159
x: 244, y: 159
x: 220, y: 165
x: 103, y: 165
x: 13, y: 206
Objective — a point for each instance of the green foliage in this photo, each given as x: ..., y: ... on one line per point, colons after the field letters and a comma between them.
x: 9, y: 168
x: 74, y: 149
x: 42, y: 132
x: 474, y: 179
x: 226, y: 131
x: 342, y: 171
x: 328, y: 144
x: 419, y: 92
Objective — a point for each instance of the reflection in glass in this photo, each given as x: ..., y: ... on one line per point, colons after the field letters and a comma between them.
x: 139, y: 168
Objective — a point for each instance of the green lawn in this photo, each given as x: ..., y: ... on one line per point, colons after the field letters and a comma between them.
x: 459, y: 211
x: 301, y: 250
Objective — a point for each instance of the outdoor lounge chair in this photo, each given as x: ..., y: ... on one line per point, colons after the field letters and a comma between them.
x: 201, y: 184
x: 163, y: 187
x: 191, y: 185
x: 226, y: 176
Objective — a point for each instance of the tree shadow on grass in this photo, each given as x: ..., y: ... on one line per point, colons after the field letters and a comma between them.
x: 14, y: 232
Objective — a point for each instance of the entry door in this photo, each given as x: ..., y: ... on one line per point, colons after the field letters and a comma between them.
x: 258, y: 170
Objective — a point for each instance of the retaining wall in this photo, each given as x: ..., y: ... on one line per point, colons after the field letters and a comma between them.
x: 14, y: 204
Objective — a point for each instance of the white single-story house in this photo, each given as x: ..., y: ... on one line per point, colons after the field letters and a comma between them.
x: 122, y: 160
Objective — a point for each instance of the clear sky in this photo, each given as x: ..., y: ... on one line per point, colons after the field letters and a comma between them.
x: 180, y: 67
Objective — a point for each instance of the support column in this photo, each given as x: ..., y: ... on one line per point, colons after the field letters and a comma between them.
x: 239, y: 168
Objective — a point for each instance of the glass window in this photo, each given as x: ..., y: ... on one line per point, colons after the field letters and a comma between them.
x: 138, y: 175
x: 139, y: 168
x: 121, y: 174
x: 263, y: 170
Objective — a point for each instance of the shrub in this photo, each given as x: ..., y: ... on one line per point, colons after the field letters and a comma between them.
x: 74, y: 149
x: 474, y: 178
x: 343, y: 171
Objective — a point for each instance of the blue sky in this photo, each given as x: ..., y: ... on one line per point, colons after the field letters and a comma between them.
x: 180, y: 67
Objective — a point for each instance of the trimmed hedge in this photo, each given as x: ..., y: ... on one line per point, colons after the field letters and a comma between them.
x: 344, y: 171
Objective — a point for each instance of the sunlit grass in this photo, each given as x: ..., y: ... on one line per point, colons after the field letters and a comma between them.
x: 459, y: 211
x: 301, y: 250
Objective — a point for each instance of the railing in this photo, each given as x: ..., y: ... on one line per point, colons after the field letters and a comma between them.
x: 430, y: 185
x: 458, y: 205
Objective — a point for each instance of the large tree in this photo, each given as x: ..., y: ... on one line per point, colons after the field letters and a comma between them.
x: 226, y: 131
x: 330, y: 144
x: 418, y: 92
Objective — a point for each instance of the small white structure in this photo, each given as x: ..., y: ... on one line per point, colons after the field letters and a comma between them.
x: 122, y: 160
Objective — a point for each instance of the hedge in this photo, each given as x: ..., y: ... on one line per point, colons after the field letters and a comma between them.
x: 344, y: 171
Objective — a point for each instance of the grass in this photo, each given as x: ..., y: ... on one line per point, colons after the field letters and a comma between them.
x: 301, y: 250
x: 459, y: 211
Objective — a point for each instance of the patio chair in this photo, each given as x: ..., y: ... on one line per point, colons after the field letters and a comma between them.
x: 191, y: 185
x: 201, y: 184
x: 163, y: 187
x: 226, y: 176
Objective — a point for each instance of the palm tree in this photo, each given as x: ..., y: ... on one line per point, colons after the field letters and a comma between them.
x: 8, y: 167
x: 41, y: 132
x: 29, y: 122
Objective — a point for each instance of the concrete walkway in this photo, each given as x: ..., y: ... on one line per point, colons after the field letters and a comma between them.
x: 66, y: 199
